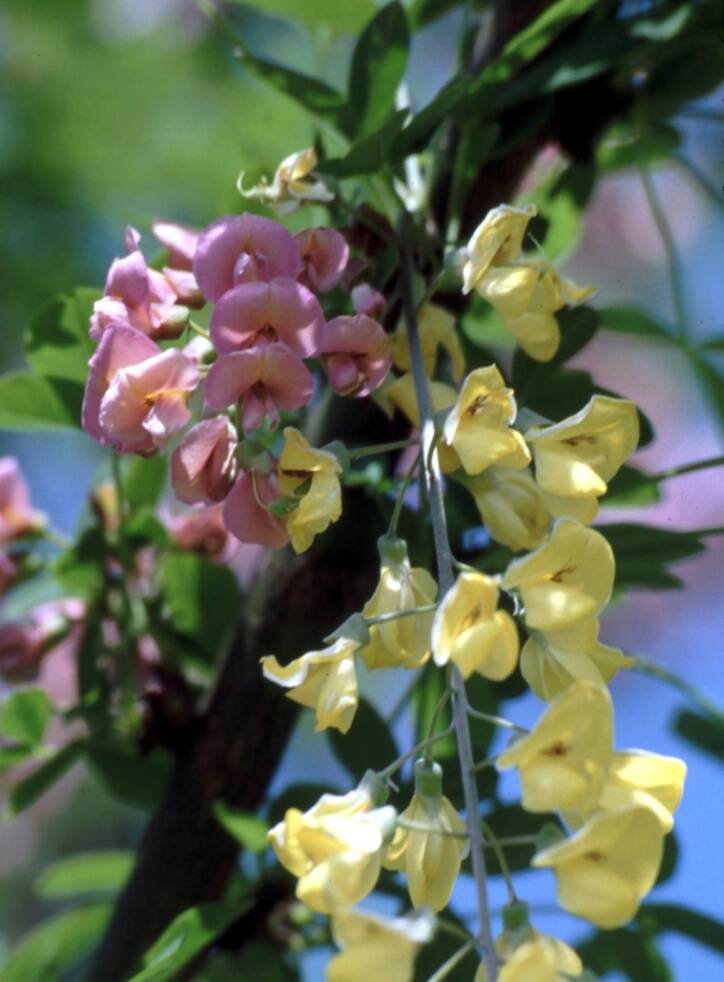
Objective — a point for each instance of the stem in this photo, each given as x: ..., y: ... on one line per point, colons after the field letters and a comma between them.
x: 406, y: 481
x: 698, y: 177
x: 358, y: 452
x: 494, y: 843
x: 672, y: 258
x: 488, y: 762
x: 423, y: 745
x: 452, y: 962
x: 56, y: 538
x: 646, y: 667
x: 497, y: 720
x: 446, y: 579
x: 198, y: 329
x: 395, y: 615
x: 450, y: 928
x: 405, y: 823
x: 128, y: 667
x: 696, y: 465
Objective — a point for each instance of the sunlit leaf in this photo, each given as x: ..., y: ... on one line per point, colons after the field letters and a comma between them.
x: 56, y: 945
x: 24, y: 716
x: 244, y: 826
x: 57, y: 341
x: 27, y: 791
x: 378, y: 65
x: 85, y: 873
x: 33, y: 402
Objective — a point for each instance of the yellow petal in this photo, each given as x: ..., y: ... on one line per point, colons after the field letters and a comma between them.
x: 404, y: 641
x: 497, y: 239
x: 431, y: 859
x: 437, y: 330
x: 509, y: 288
x: 537, y: 333
x: 638, y: 777
x: 377, y: 947
x: 512, y: 507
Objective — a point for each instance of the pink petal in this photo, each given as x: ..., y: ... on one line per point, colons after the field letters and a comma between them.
x: 180, y: 240
x: 231, y: 376
x: 167, y: 416
x: 325, y: 253
x: 128, y: 280
x: 256, y: 406
x: 270, y: 249
x: 246, y: 519
x: 343, y: 372
x: 286, y: 377
x: 364, y: 339
x: 160, y: 290
x: 184, y: 286
x: 367, y: 300
x: 132, y: 239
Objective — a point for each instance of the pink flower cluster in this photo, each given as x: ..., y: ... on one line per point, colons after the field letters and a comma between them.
x: 266, y: 323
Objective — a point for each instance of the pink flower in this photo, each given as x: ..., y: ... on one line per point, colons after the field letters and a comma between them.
x: 245, y: 515
x: 243, y: 249
x: 16, y: 513
x: 202, y: 530
x: 23, y: 646
x: 136, y: 394
x: 356, y: 355
x: 180, y: 240
x: 264, y: 379
x: 367, y: 300
x: 10, y: 569
x: 324, y: 252
x: 138, y: 296
x: 203, y: 465
x: 281, y: 310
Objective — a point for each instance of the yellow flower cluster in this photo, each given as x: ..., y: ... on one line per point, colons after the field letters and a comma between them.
x: 526, y: 292
x: 320, y: 503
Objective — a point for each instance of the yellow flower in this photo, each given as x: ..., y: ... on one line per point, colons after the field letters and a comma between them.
x: 469, y: 631
x: 437, y: 330
x: 293, y: 183
x: 579, y: 455
x: 321, y: 503
x: 430, y: 858
x: 334, y: 849
x: 542, y: 959
x: 478, y: 426
x: 497, y: 240
x: 406, y: 640
x: 568, y: 578
x: 639, y: 778
x: 605, y: 869
x: 400, y: 394
x: 325, y: 681
x: 377, y: 948
x: 562, y: 762
x: 551, y: 660
x: 517, y: 512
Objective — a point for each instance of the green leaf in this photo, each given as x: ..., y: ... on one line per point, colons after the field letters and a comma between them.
x: 25, y: 715
x: 415, y: 136
x: 77, y: 569
x: 244, y: 826
x: 629, y: 320
x: 704, y: 732
x: 125, y: 775
x: 341, y: 17
x: 12, y: 756
x: 625, y: 950
x: 559, y: 223
x: 712, y: 383
x: 715, y: 344
x: 669, y: 859
x: 57, y: 342
x: 31, y: 402
x: 660, y: 918
x: 631, y: 488
x: 56, y: 945
x: 86, y: 873
x: 186, y: 937
x: 27, y: 791
x: 203, y: 599
x: 378, y: 66
x: 643, y: 551
x: 634, y: 143
x: 144, y: 481
x: 368, y: 745
x: 368, y: 154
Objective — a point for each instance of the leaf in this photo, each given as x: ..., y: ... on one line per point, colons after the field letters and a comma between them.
x: 12, y: 756
x: 631, y: 488
x: 660, y: 918
x: 31, y: 402
x: 124, y: 774
x: 378, y: 66
x: 341, y: 17
x: 203, y: 599
x: 625, y: 950
x: 369, y: 153
x: 187, y: 936
x: 144, y: 481
x: 77, y: 569
x: 25, y: 715
x: 419, y: 130
x: 247, y: 828
x: 57, y: 342
x: 27, y: 791
x: 368, y: 745
x: 629, y: 320
x: 86, y: 873
x: 642, y: 552
x: 634, y: 143
x: 670, y: 858
x: 704, y: 732
x: 56, y: 945
x: 561, y: 204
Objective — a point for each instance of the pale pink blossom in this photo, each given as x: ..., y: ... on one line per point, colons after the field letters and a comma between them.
x: 202, y: 530
x: 203, y: 466
x: 179, y: 240
x: 366, y: 300
x: 245, y: 514
x: 138, y: 296
x: 356, y: 354
x: 243, y: 249
x: 282, y: 310
x: 24, y: 645
x: 324, y: 253
x: 264, y: 379
x: 17, y: 516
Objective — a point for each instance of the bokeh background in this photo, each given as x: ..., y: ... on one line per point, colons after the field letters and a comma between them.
x: 115, y: 111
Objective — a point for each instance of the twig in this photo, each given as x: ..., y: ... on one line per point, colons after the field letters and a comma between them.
x: 672, y: 257
x: 696, y: 465
x: 646, y: 667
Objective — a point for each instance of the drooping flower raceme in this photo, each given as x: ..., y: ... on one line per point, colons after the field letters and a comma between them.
x: 376, y: 947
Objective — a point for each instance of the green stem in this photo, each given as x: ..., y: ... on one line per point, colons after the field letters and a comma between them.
x: 356, y: 452
x: 494, y: 843
x: 198, y: 329
x: 56, y: 538
x: 702, y: 181
x: 696, y: 465
x: 453, y: 961
x: 405, y: 823
x: 453, y: 929
x: 672, y: 258
x: 423, y: 745
x: 128, y: 666
x: 436, y: 713
x: 396, y: 615
x: 646, y: 667
x: 406, y: 481
x: 446, y: 579
x: 497, y: 720
x: 483, y: 764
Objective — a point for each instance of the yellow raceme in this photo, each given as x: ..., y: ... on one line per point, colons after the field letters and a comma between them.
x: 321, y: 504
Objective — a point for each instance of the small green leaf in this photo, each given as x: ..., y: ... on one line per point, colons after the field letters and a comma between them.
x: 12, y: 756
x: 144, y: 481
x: 244, y: 826
x: 86, y: 873
x: 561, y: 203
x: 625, y: 950
x: 57, y: 341
x: 629, y: 320
x: 368, y: 745
x: 704, y: 732
x: 642, y: 550
x: 186, y: 937
x: 369, y: 153
x: 32, y: 402
x: 25, y: 715
x: 56, y: 945
x: 127, y: 776
x: 77, y: 569
x: 27, y: 791
x: 378, y: 66
x: 635, y: 143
